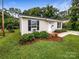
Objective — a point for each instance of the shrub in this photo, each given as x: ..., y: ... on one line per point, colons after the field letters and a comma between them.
x: 15, y: 27
x: 77, y: 25
x: 67, y: 25
x: 44, y: 34
x: 59, y: 31
x: 72, y: 25
x: 31, y: 36
x: 10, y: 28
x: 36, y: 34
x: 27, y: 37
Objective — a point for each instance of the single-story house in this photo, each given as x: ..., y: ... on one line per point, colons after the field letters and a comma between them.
x: 29, y: 24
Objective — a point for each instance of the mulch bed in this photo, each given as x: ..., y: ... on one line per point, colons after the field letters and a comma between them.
x: 50, y: 38
x: 54, y: 37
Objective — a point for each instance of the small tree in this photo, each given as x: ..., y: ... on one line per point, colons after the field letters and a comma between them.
x: 10, y: 25
x: 74, y: 14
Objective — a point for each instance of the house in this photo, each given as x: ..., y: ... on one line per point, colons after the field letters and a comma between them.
x: 29, y: 24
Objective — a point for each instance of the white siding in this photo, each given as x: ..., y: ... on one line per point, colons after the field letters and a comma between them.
x: 24, y: 26
x: 43, y: 26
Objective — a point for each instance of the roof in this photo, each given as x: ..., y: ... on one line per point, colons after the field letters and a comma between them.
x: 40, y: 18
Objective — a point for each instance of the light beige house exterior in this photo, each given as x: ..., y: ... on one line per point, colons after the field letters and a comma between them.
x: 30, y: 24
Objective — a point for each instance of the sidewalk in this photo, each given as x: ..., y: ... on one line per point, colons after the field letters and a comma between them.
x: 67, y: 33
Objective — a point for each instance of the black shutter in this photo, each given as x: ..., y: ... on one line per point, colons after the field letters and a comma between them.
x: 29, y: 25
x: 38, y: 25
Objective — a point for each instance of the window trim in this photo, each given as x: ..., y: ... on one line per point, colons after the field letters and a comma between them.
x: 31, y: 26
x: 58, y: 24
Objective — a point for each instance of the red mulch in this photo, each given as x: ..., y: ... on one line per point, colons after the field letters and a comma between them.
x: 54, y: 37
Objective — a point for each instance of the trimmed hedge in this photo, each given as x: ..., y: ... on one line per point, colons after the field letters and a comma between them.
x: 44, y: 34
x: 59, y: 31
x: 27, y: 37
x: 31, y: 36
x: 36, y: 34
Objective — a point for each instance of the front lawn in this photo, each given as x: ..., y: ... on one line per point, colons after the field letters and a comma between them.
x: 67, y: 49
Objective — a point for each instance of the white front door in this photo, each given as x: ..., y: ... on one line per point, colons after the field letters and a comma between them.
x: 52, y: 27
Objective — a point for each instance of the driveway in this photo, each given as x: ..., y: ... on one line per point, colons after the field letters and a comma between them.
x: 68, y: 32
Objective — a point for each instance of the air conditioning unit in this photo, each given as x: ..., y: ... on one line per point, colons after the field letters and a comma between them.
x: 34, y: 29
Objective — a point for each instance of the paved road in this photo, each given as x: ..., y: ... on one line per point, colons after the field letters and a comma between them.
x: 67, y: 33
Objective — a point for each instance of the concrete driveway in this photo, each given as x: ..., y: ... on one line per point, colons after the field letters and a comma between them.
x: 68, y: 32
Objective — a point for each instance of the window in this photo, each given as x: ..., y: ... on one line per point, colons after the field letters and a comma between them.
x: 33, y: 24
x: 52, y: 26
x: 58, y: 24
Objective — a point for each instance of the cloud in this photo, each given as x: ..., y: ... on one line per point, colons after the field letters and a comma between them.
x: 63, y: 6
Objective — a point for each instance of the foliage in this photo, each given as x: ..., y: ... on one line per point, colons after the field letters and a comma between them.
x: 10, y: 27
x: 63, y: 15
x: 36, y: 34
x: 61, y: 30
x: 16, y: 24
x: 27, y: 37
x: 14, y: 11
x: 74, y: 16
x: 0, y: 20
x: 74, y: 10
x: 32, y: 12
x: 6, y: 14
x: 9, y: 18
x: 44, y: 34
x: 77, y: 25
x: 48, y: 11
x: 67, y: 25
x: 72, y: 25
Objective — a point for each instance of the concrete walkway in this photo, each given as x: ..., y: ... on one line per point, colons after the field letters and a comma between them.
x: 68, y: 32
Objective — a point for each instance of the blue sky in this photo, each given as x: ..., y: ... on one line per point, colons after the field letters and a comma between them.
x: 27, y: 4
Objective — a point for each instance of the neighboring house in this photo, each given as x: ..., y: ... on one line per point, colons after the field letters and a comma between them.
x: 30, y: 24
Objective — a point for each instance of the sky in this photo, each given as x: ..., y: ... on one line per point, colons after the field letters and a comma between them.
x: 27, y: 4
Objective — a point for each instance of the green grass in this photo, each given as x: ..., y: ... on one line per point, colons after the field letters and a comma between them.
x: 67, y: 49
